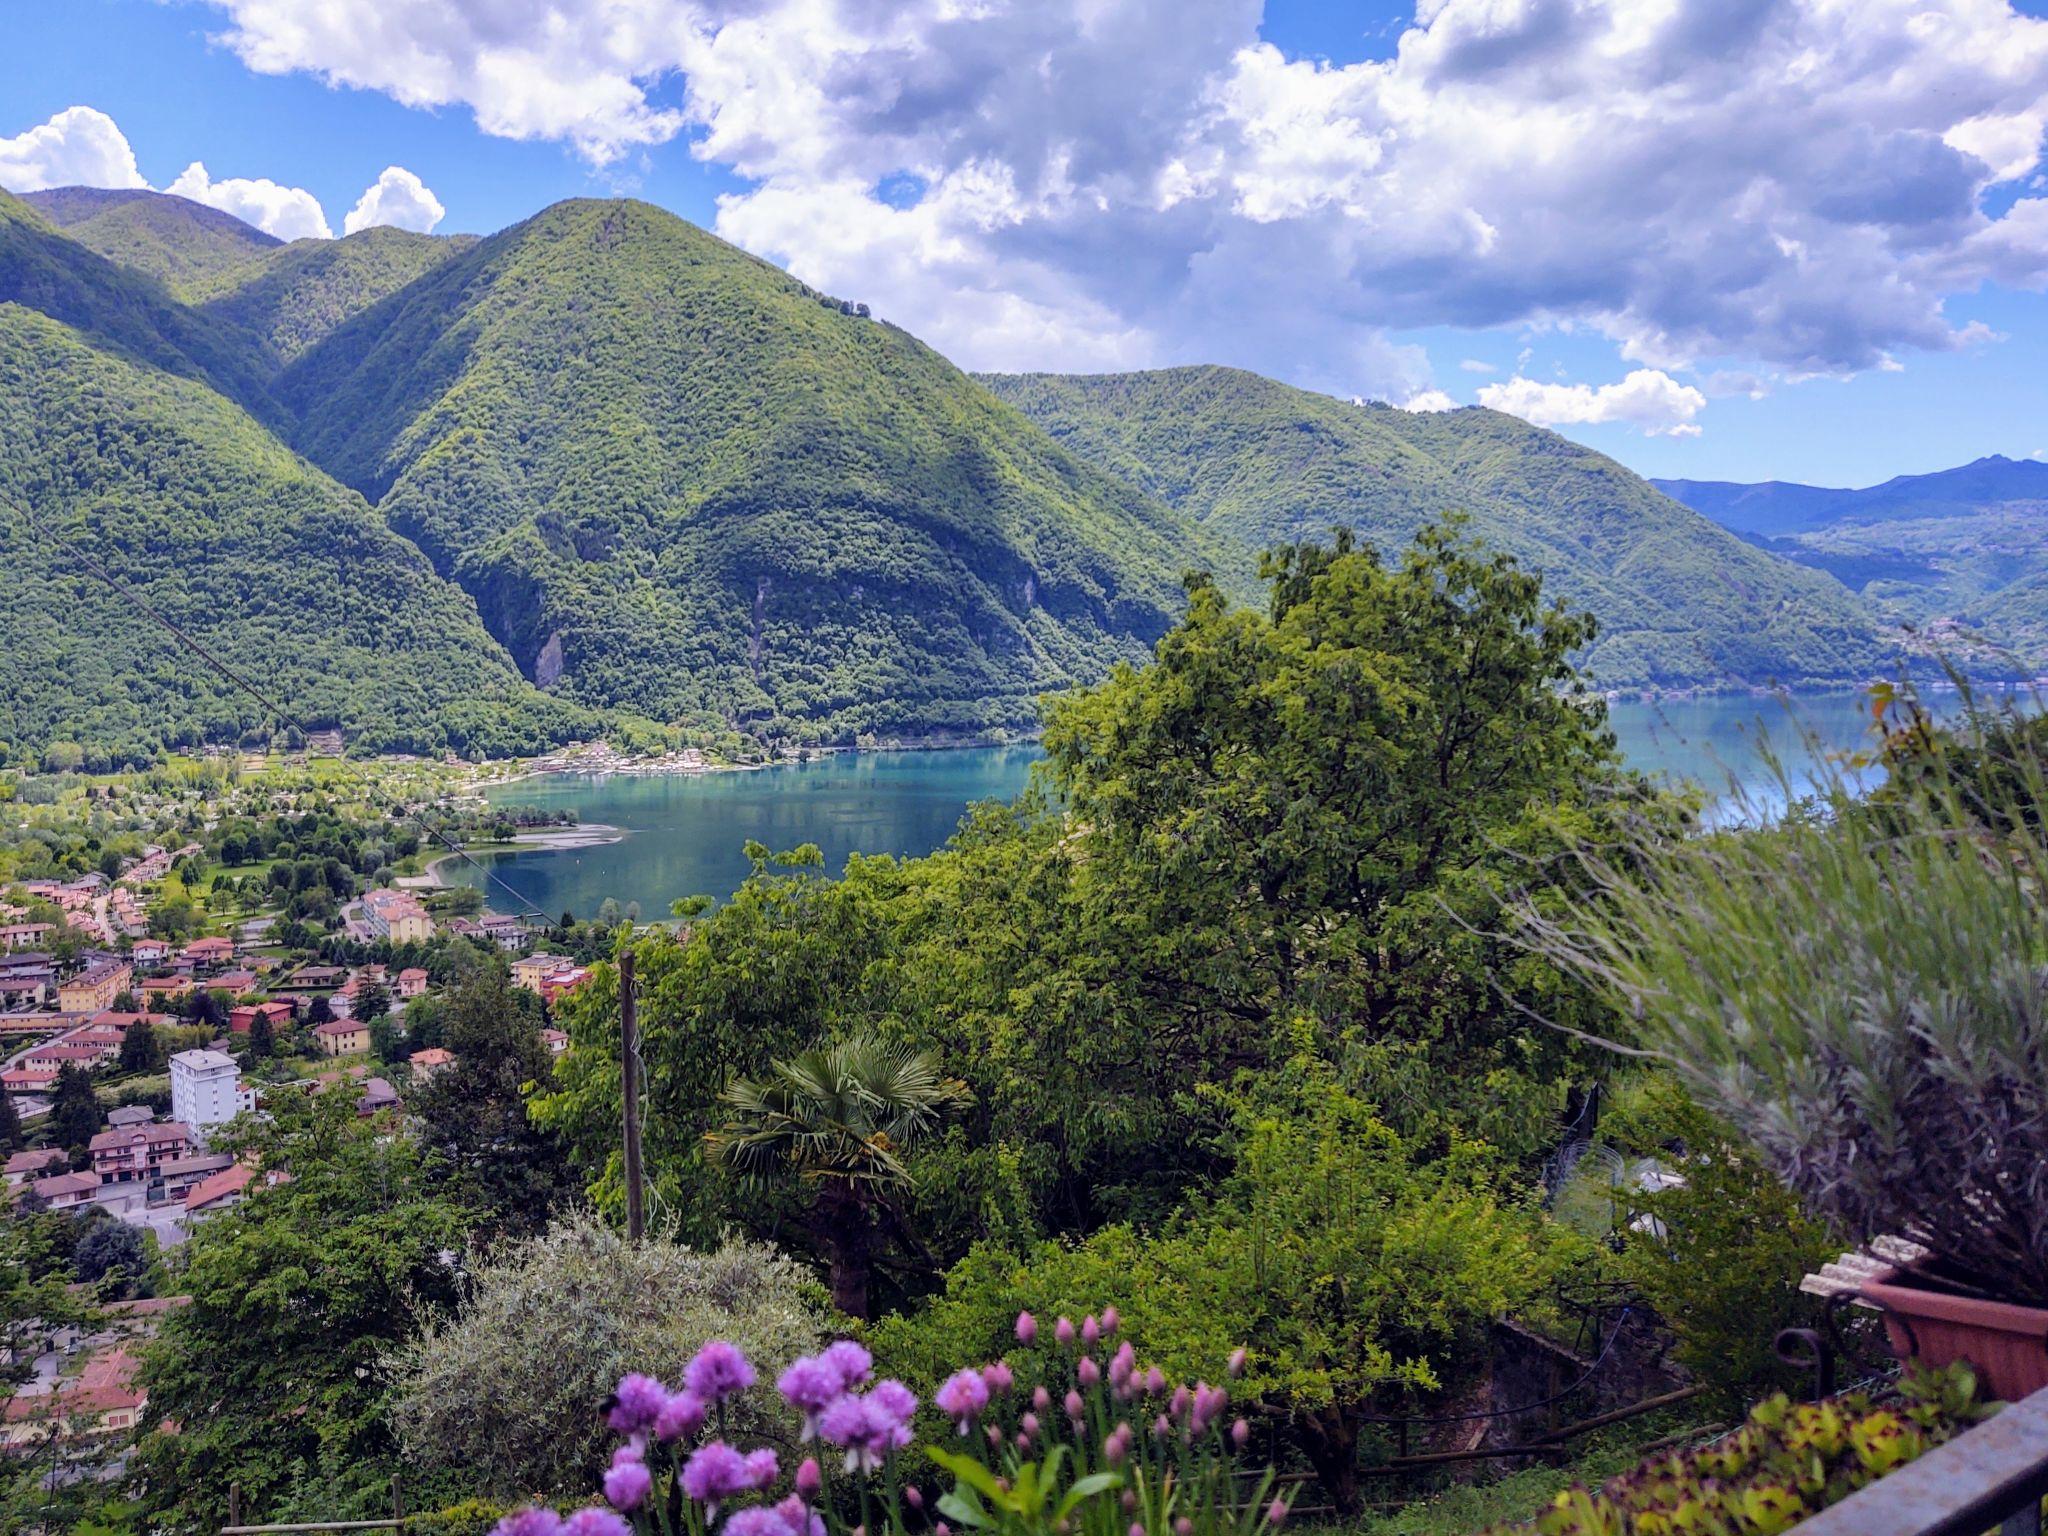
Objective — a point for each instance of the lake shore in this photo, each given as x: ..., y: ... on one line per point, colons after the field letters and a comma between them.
x: 593, y: 834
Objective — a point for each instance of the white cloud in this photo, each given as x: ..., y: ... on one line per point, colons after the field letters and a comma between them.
x: 290, y: 213
x: 396, y: 197
x: 1430, y: 400
x: 1652, y: 402
x: 1474, y: 365
x: 1791, y: 184
x: 79, y: 147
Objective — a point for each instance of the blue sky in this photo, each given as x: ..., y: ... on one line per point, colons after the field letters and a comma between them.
x: 1736, y: 239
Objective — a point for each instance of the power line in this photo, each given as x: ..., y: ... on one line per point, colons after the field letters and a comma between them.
x: 134, y: 600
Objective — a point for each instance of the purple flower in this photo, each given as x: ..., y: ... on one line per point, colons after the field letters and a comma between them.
x: 853, y: 1363
x: 1116, y: 1447
x: 531, y: 1521
x: 762, y: 1466
x: 627, y: 1483
x: 1063, y: 1331
x: 1041, y: 1399
x: 810, y: 1477
x: 1073, y: 1405
x: 1091, y: 1330
x: 715, y: 1472
x: 1178, y: 1404
x: 913, y: 1495
x: 718, y: 1371
x: 1155, y: 1380
x: 1027, y: 1329
x: 998, y: 1375
x: 895, y: 1398
x: 1137, y: 1528
x: 1276, y: 1512
x: 963, y: 1396
x: 811, y: 1385
x: 1123, y: 1365
x: 1209, y: 1405
x: 1110, y: 1320
x: 1183, y: 1527
x: 1089, y: 1372
x: 801, y: 1521
x: 596, y: 1522
x: 868, y: 1427
x: 757, y: 1520
x: 683, y: 1414
x: 636, y: 1404
x: 1237, y: 1358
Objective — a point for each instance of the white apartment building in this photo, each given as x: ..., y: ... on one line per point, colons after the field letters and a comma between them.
x: 206, y: 1090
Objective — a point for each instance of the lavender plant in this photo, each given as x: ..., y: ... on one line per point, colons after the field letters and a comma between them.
x: 1078, y: 1439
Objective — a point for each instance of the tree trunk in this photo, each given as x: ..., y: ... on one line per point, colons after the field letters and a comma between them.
x: 1330, y: 1440
x: 848, y: 1239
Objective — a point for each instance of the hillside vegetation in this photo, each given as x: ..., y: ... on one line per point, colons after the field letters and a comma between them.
x: 288, y: 577
x: 181, y: 243
x: 1680, y: 601
x: 677, y: 479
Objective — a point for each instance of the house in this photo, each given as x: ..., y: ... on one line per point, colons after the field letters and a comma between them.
x: 130, y: 1114
x: 397, y: 916
x: 181, y: 1173
x: 556, y: 1040
x: 206, y: 1090
x: 108, y: 1018
x: 412, y: 982
x: 26, y: 1080
x: 343, y: 1037
x: 135, y: 1152
x: 26, y: 989
x: 463, y: 928
x: 96, y: 986
x: 280, y: 1014
x: 430, y: 1063
x: 149, y: 951
x: 219, y: 1191
x: 314, y: 978
x: 67, y: 1191
x: 23, y: 1166
x: 508, y: 933
x: 21, y: 935
x: 234, y: 982
x: 103, y: 1399
x: 60, y: 1053
x: 159, y: 990
x: 378, y: 1095
x: 209, y: 954
x: 531, y: 970
x: 559, y: 983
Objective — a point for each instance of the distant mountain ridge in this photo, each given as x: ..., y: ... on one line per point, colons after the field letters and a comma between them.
x: 1777, y: 507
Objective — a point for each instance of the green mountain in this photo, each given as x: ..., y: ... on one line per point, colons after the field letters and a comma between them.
x: 197, y: 510
x: 675, y: 478
x: 127, y: 310
x: 1777, y: 507
x: 294, y: 296
x: 180, y: 243
x: 1681, y: 602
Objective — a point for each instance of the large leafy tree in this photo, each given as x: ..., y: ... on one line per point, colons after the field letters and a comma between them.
x: 75, y: 1110
x: 840, y: 1120
x: 273, y: 1373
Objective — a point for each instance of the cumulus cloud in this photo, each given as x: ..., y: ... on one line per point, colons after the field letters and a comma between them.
x: 290, y: 213
x: 1649, y: 400
x: 396, y: 197
x: 1792, y: 184
x: 79, y: 147
x: 1430, y: 400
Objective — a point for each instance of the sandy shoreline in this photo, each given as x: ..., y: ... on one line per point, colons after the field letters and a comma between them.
x: 594, y: 834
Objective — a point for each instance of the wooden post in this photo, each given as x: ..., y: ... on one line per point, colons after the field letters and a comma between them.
x: 398, y: 1504
x: 234, y: 1503
x: 629, y: 1046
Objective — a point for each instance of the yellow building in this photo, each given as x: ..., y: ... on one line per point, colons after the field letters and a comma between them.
x: 530, y: 971
x: 343, y: 1037
x: 94, y: 989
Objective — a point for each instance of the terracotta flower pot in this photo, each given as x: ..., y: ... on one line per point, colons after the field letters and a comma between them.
x: 2006, y: 1343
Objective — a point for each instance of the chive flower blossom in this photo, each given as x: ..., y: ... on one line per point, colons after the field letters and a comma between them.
x: 626, y: 1485
x: 715, y: 1472
x: 810, y: 1477
x: 853, y: 1363
x: 870, y: 1427
x: 531, y: 1521
x: 757, y: 1520
x: 718, y: 1371
x: 998, y: 1375
x: 800, y: 1520
x: 682, y: 1415
x: 596, y: 1522
x: 962, y: 1397
x: 1063, y: 1331
x: 1027, y: 1329
x: 636, y: 1404
x: 810, y: 1386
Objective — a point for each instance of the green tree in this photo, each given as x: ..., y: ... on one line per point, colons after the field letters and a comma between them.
x: 10, y: 1125
x: 262, y: 1039
x: 840, y: 1119
x: 112, y: 1251
x: 140, y: 1050
x: 75, y: 1112
x: 272, y: 1372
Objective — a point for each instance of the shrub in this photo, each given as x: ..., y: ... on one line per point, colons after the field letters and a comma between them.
x: 1786, y: 1463
x: 509, y: 1390
x: 1862, y: 990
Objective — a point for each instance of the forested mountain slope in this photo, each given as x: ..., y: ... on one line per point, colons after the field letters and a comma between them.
x: 1776, y: 507
x: 288, y: 576
x: 127, y: 310
x: 175, y: 240
x: 1680, y: 600
x: 677, y: 479
x: 293, y: 296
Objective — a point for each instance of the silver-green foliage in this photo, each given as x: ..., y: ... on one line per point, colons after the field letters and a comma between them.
x: 511, y: 1391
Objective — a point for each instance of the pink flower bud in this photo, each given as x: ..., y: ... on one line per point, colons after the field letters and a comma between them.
x: 1089, y: 1372
x: 1109, y: 1320
x: 1236, y: 1363
x: 1030, y: 1423
x: 1063, y: 1331
x: 942, y: 1529
x: 1183, y: 1527
x: 1137, y: 1528
x: 1276, y: 1513
x: 1113, y: 1450
x: 913, y: 1495
x: 1161, y: 1427
x: 1129, y: 1501
x: 995, y: 1436
x: 1023, y: 1441
x: 1027, y: 1329
x: 1041, y: 1399
x: 1240, y: 1434
x: 1178, y: 1404
x: 1074, y: 1406
x: 1155, y: 1380
x: 997, y: 1376
x: 1091, y: 1330
x: 809, y: 1479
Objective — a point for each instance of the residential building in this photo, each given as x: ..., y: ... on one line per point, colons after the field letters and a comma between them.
x: 314, y: 978
x: 21, y: 935
x: 23, y: 1166
x: 556, y: 1040
x: 343, y: 1037
x: 530, y: 970
x: 96, y: 986
x: 508, y: 933
x: 219, y: 1191
x: 397, y: 916
x: 149, y: 951
x: 59, y: 1053
x: 242, y: 1019
x: 130, y: 1114
x: 107, y: 1018
x: 428, y: 1064
x: 128, y: 1154
x: 26, y: 989
x: 234, y: 982
x: 206, y: 1090
x: 180, y: 1174
x: 209, y: 954
x: 558, y: 983
x: 26, y: 1080
x: 103, y: 1399
x: 67, y: 1191
x: 412, y: 982
x: 378, y: 1095
x: 155, y: 991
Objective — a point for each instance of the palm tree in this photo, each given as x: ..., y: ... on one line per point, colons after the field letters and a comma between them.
x: 841, y: 1118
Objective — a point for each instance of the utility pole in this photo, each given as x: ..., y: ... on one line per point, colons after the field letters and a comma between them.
x: 629, y: 1074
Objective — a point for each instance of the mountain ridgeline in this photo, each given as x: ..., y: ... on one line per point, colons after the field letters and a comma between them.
x: 486, y: 494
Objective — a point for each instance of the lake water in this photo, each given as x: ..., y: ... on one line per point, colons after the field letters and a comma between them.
x: 684, y: 835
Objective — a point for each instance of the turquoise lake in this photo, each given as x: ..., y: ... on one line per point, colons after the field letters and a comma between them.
x: 684, y: 835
